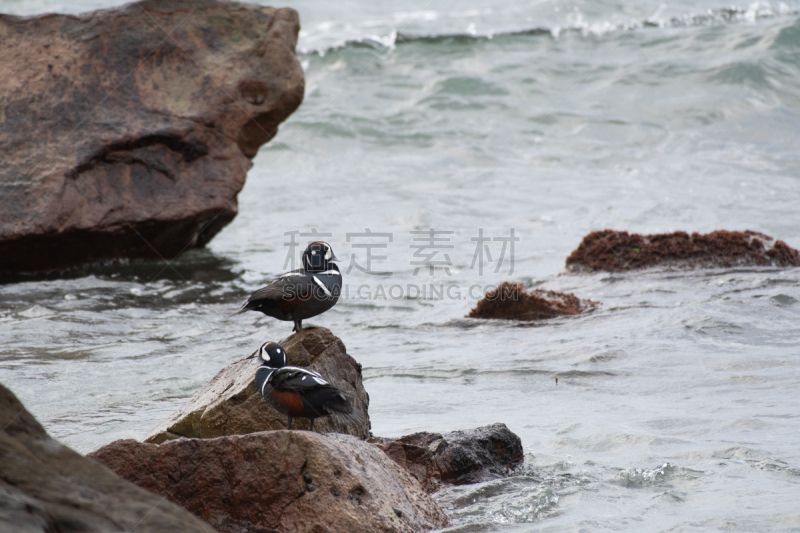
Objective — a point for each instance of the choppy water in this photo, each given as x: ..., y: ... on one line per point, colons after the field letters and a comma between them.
x: 677, y: 404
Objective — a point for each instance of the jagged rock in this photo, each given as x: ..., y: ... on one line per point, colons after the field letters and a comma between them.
x: 230, y: 404
x: 128, y: 132
x: 46, y: 487
x: 289, y: 481
x: 456, y: 458
x: 511, y: 301
x: 619, y: 251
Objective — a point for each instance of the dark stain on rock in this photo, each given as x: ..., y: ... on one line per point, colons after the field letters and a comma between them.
x: 253, y: 91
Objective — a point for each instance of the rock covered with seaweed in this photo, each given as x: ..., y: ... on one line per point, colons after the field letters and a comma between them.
x: 618, y: 251
x: 511, y: 300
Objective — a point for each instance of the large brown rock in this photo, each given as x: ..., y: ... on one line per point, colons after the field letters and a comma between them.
x: 128, y: 132
x: 511, y: 301
x: 230, y: 404
x: 457, y: 458
x: 287, y: 481
x: 46, y: 487
x: 617, y: 251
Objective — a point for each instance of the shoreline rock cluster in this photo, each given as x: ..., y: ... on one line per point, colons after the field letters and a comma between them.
x: 235, y: 476
x: 128, y: 132
x: 214, y: 457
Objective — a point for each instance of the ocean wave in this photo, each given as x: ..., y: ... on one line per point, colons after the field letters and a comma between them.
x: 711, y: 17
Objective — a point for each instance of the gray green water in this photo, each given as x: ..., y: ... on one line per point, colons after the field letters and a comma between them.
x: 677, y: 405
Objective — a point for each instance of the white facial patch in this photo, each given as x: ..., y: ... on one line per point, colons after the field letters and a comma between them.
x: 328, y: 253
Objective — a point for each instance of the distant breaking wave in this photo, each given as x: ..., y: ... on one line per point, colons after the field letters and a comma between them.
x: 711, y: 17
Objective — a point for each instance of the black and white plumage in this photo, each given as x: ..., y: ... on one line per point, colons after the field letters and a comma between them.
x: 302, y: 293
x: 297, y: 392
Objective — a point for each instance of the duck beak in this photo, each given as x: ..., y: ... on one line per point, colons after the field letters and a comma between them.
x: 334, y: 259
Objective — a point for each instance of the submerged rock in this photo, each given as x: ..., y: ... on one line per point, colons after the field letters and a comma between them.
x: 46, y: 487
x: 456, y: 458
x: 511, y: 301
x: 128, y: 132
x: 230, y: 404
x: 619, y: 251
x: 280, y: 481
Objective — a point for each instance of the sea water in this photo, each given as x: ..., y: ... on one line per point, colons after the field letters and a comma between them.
x: 676, y: 406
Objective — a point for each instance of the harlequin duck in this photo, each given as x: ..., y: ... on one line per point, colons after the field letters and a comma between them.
x: 297, y: 392
x: 301, y: 293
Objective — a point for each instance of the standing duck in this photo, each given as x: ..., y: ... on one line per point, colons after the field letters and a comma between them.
x: 301, y: 293
x: 297, y: 392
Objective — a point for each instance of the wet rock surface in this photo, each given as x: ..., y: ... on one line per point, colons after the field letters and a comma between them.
x: 456, y: 458
x: 512, y: 301
x: 617, y: 251
x: 129, y: 132
x: 46, y: 487
x: 230, y: 404
x: 280, y: 481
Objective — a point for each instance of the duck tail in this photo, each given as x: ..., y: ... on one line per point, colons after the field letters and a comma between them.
x: 240, y: 311
x: 340, y: 407
x: 354, y: 416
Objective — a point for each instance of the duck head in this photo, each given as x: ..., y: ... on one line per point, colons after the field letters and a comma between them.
x: 318, y: 256
x: 272, y: 354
